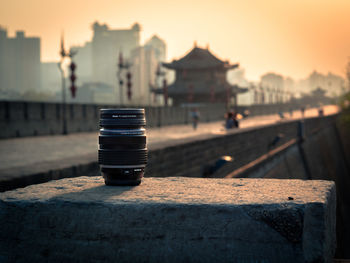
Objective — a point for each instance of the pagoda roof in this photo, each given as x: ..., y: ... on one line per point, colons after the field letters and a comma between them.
x: 199, y: 58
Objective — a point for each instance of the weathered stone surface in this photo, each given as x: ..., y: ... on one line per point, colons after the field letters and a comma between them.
x: 169, y: 220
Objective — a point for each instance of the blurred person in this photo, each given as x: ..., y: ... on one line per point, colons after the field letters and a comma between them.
x: 195, y: 118
x: 280, y: 113
x: 236, y: 116
x: 302, y: 109
x: 229, y: 123
x: 246, y: 113
x: 320, y: 112
x: 231, y: 120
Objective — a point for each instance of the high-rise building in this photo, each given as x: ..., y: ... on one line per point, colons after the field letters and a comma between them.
x: 50, y: 77
x: 106, y: 45
x: 19, y: 63
x: 83, y: 60
x: 97, y: 62
x: 159, y: 47
x: 156, y: 54
x: 144, y: 66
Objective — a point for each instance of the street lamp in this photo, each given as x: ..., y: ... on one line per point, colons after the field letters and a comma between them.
x: 165, y: 91
x: 160, y: 73
x: 121, y: 65
x: 63, y: 55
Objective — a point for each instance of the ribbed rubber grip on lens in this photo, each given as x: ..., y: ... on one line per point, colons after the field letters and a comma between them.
x: 124, y: 140
x: 125, y: 157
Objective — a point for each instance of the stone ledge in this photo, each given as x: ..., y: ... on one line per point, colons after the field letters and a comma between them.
x: 169, y: 220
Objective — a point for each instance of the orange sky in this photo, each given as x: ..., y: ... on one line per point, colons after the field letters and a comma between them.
x: 291, y: 37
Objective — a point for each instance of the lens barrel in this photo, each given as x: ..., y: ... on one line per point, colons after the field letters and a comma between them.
x: 122, y: 154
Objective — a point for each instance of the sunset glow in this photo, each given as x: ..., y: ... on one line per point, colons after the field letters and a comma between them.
x: 289, y: 37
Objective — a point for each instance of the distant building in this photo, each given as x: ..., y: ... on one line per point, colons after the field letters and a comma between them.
x: 237, y: 77
x: 201, y: 78
x: 95, y: 92
x: 272, y: 86
x: 97, y: 61
x: 83, y: 60
x: 333, y: 84
x: 144, y: 67
x: 50, y: 77
x: 289, y: 88
x: 159, y: 47
x: 289, y: 84
x: 316, y: 98
x: 19, y: 63
x: 156, y: 54
x: 106, y: 45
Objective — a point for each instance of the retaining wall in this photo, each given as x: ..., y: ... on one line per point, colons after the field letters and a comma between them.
x: 320, y: 155
x: 243, y: 145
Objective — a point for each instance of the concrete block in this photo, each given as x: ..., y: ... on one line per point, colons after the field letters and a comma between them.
x: 169, y: 220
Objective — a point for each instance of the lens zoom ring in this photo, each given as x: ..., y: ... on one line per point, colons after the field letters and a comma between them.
x: 124, y: 140
x: 110, y: 157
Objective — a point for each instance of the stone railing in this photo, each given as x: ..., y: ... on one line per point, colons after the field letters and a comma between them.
x: 169, y: 220
x: 19, y: 118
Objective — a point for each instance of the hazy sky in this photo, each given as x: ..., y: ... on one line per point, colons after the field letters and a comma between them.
x: 291, y: 37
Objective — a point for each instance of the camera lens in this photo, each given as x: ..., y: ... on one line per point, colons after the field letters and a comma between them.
x: 122, y: 154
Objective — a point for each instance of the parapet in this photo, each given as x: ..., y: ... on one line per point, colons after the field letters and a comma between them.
x: 171, y: 219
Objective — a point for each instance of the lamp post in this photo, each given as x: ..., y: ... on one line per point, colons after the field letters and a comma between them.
x: 63, y: 55
x: 159, y: 74
x: 63, y: 82
x: 121, y: 65
x: 165, y: 92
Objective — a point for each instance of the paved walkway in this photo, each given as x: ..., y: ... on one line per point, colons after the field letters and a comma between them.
x: 21, y: 155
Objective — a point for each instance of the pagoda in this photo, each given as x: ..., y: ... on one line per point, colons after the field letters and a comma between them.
x: 201, y: 78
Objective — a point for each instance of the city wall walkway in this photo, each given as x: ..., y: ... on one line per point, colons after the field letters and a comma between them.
x: 26, y: 157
